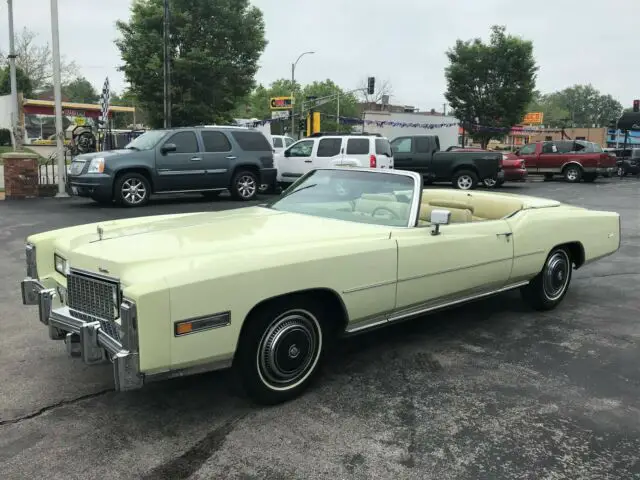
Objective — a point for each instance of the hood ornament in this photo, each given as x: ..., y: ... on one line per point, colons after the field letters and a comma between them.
x: 100, y: 232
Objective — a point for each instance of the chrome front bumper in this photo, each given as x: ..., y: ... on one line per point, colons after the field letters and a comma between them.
x: 87, y: 339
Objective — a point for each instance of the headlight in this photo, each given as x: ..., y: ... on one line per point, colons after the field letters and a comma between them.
x: 96, y: 165
x: 62, y: 267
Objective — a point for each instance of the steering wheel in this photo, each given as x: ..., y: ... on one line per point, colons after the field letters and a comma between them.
x: 393, y: 214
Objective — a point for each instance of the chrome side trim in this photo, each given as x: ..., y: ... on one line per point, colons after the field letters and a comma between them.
x: 217, y: 170
x: 366, y: 287
x: 181, y: 172
x: 167, y: 192
x: 427, y: 307
x: 219, y: 364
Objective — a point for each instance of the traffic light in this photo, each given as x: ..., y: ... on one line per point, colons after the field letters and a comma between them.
x: 636, y: 105
x: 302, y: 125
x: 371, y: 85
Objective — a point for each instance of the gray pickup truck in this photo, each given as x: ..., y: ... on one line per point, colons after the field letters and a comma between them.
x: 421, y: 154
x: 208, y: 160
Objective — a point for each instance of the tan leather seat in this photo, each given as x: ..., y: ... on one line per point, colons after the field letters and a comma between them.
x: 483, y: 205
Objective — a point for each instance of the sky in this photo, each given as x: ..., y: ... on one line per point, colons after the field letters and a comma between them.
x: 399, y: 41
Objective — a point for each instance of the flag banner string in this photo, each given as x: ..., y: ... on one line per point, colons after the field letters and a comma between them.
x: 473, y: 128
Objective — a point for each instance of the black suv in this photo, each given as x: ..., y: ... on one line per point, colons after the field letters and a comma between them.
x: 180, y: 160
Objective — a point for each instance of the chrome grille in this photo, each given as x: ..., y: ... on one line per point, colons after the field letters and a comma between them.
x: 92, y: 298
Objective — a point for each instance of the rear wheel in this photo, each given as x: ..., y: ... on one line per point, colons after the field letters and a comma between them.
x: 465, y: 180
x: 281, y: 349
x: 572, y: 173
x: 622, y: 172
x: 244, y: 185
x: 549, y: 287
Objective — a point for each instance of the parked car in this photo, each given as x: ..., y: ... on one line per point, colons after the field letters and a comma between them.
x: 267, y: 289
x: 322, y: 150
x: 513, y: 167
x: 464, y: 169
x: 627, y: 160
x: 575, y: 160
x: 209, y: 160
x: 280, y: 142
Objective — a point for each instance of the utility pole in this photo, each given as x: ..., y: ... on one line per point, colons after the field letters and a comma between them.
x: 57, y: 89
x: 15, y: 108
x: 167, y: 66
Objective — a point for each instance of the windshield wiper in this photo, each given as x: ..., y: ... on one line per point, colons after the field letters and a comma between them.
x: 132, y: 148
x: 300, y: 189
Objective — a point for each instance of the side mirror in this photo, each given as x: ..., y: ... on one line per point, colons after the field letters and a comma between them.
x: 287, y: 153
x: 168, y: 147
x: 439, y: 217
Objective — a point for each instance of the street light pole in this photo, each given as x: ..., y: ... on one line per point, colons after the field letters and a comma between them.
x: 15, y: 117
x: 293, y: 83
x: 166, y: 65
x: 57, y: 90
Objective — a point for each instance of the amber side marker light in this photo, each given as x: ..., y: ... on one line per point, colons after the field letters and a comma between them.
x: 199, y: 324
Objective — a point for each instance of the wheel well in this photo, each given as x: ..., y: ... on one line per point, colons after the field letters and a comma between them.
x: 471, y: 168
x: 142, y: 171
x: 576, y: 251
x: 567, y: 165
x: 325, y: 296
x: 251, y: 168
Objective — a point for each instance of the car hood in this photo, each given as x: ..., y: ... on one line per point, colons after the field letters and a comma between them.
x: 128, y: 246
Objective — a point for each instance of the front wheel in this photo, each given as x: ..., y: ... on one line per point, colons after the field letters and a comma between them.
x: 244, y: 185
x: 281, y: 349
x: 622, y: 172
x: 465, y: 180
x: 132, y: 190
x: 548, y: 288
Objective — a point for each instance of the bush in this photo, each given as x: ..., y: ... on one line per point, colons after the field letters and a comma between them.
x: 5, y: 137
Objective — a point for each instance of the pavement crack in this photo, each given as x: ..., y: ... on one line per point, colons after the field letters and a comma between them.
x: 190, y: 461
x: 61, y: 403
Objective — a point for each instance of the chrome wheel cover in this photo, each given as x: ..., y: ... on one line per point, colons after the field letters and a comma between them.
x: 620, y: 172
x: 464, y: 182
x: 489, y: 182
x: 572, y: 174
x: 246, y: 186
x: 289, y: 350
x: 133, y: 191
x: 556, y: 274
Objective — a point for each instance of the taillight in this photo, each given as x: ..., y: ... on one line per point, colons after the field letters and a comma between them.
x: 372, y: 161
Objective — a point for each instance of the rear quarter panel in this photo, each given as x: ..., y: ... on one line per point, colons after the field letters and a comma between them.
x: 537, y: 231
x: 239, y: 282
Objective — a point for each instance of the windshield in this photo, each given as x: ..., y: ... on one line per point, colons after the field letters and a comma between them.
x: 147, y: 140
x: 356, y: 196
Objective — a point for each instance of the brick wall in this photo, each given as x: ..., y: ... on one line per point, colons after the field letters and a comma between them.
x: 20, y: 175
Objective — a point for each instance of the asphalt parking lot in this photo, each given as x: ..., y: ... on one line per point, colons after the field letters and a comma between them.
x: 491, y: 390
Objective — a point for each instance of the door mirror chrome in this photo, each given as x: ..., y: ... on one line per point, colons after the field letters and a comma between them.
x: 439, y: 217
x: 168, y: 147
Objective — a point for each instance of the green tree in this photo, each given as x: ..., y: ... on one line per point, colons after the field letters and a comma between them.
x: 491, y: 83
x: 555, y: 115
x: 80, y: 90
x: 22, y: 82
x: 328, y: 111
x: 215, y: 48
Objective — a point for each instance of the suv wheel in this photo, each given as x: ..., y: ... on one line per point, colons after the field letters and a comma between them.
x: 573, y: 174
x: 244, y: 185
x: 465, y: 180
x: 132, y: 190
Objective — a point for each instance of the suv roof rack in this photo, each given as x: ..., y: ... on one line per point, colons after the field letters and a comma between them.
x: 342, y: 134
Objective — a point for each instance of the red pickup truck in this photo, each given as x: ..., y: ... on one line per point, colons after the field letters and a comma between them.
x: 575, y: 160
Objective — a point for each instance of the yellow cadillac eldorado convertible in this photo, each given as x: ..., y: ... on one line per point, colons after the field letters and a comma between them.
x: 267, y: 289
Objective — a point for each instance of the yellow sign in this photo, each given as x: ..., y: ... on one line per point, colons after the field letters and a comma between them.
x: 533, y: 118
x: 280, y: 103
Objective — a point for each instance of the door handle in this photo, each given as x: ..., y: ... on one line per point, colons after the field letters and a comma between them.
x: 230, y: 157
x: 195, y: 159
x: 308, y: 161
x: 506, y: 235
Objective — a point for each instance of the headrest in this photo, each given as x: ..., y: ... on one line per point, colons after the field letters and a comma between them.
x: 445, y: 203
